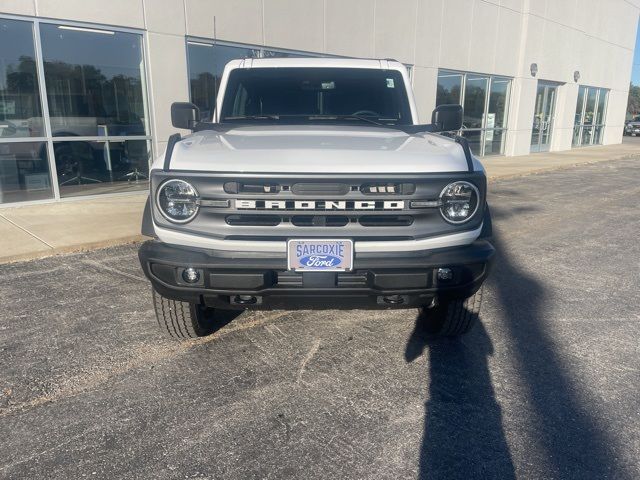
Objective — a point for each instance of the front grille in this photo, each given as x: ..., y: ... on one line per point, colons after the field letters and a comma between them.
x: 360, y: 207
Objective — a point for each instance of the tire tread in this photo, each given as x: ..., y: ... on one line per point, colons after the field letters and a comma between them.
x: 455, y: 317
x: 178, y: 319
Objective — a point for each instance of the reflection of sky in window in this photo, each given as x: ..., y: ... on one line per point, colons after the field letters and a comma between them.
x: 112, y: 54
x: 211, y: 59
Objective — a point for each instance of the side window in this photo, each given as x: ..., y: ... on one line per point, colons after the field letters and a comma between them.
x: 240, y: 101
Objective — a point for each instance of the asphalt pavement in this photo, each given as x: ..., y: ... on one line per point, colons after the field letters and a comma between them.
x: 546, y: 387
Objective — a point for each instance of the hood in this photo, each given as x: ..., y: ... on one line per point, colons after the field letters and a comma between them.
x: 316, y: 149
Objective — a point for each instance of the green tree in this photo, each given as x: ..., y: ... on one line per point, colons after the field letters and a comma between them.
x: 633, y: 105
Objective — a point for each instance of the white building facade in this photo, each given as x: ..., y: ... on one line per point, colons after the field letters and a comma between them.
x: 86, y: 85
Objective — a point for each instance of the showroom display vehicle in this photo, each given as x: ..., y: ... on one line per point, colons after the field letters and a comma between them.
x: 315, y: 186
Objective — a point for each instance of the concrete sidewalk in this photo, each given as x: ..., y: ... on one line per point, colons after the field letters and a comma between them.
x: 41, y: 230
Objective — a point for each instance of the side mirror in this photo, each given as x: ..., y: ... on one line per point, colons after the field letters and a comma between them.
x: 446, y: 118
x: 184, y: 115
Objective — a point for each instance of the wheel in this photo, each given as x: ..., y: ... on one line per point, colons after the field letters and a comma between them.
x: 183, y: 320
x: 454, y: 317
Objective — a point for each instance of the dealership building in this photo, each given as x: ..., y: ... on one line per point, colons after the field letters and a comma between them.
x: 86, y: 85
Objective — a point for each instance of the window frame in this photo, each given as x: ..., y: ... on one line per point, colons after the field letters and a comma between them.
x: 49, y: 140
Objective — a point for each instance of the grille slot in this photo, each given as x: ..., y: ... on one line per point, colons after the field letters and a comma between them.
x: 319, y: 220
x: 254, y: 220
x: 253, y: 187
x: 289, y: 279
x: 320, y: 188
x: 386, y: 220
x: 352, y: 280
x: 388, y: 188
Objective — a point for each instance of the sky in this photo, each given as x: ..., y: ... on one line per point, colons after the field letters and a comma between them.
x: 635, y: 75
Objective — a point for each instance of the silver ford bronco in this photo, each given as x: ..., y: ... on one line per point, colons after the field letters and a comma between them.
x: 315, y: 186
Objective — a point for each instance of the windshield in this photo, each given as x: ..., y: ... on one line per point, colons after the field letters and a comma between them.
x: 316, y: 95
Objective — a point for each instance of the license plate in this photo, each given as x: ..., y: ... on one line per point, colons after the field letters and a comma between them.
x: 320, y: 255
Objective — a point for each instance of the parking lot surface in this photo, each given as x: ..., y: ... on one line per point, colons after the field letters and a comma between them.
x: 547, y: 386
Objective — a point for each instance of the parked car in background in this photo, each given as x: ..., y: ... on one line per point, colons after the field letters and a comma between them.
x: 632, y: 127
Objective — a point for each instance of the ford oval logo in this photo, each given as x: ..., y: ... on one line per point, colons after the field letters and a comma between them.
x: 320, y: 261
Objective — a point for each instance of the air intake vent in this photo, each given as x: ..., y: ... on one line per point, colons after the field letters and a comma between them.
x: 313, y: 189
x: 386, y: 220
x: 388, y: 188
x: 289, y: 279
x: 319, y: 220
x: 252, y: 187
x: 254, y: 220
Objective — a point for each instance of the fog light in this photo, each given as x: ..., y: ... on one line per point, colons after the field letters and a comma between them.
x: 445, y: 274
x: 191, y: 275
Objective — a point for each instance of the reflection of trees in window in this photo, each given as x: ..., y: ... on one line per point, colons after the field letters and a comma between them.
x: 203, y: 92
x: 446, y: 95
x: 84, y: 91
x: 474, y: 106
x: 20, y: 91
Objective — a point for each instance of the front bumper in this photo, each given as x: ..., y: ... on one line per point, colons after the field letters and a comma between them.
x: 261, y: 280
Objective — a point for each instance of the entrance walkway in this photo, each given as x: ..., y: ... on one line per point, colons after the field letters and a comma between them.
x: 41, y: 230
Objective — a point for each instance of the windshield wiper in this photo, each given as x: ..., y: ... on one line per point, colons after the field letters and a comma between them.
x: 253, y: 117
x: 362, y: 119
x: 313, y: 117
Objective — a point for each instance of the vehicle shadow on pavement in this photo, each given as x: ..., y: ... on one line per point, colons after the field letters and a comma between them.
x: 463, y: 435
x: 566, y: 432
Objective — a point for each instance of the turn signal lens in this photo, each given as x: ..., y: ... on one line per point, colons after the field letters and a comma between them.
x: 178, y: 201
x: 459, y: 202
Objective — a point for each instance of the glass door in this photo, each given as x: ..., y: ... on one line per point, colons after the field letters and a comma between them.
x: 543, y: 117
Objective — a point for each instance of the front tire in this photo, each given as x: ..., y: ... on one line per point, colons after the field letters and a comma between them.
x: 183, y: 320
x: 453, y: 318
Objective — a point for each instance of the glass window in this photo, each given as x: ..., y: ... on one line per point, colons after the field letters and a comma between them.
x: 316, y: 95
x: 590, y: 109
x: 206, y: 64
x: 485, y: 99
x: 449, y: 88
x: 602, y: 105
x: 92, y: 167
x: 494, y: 142
x: 20, y: 110
x: 475, y: 95
x: 580, y: 104
x: 95, y: 81
x: 590, y: 115
x: 498, y: 97
x: 24, y: 172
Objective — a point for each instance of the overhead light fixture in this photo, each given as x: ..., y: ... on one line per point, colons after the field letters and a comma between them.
x: 534, y: 69
x: 202, y: 44
x: 576, y: 76
x: 83, y: 29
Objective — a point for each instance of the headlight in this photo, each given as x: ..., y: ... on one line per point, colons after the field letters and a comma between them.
x: 178, y: 201
x: 459, y: 202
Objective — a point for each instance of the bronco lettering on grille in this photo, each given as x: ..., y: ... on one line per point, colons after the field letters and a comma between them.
x: 320, y: 205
